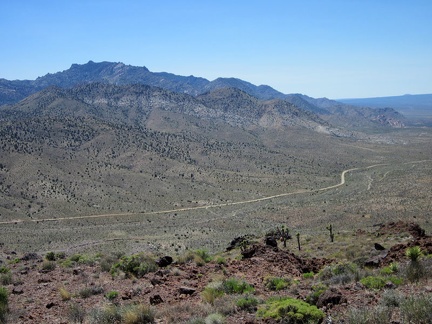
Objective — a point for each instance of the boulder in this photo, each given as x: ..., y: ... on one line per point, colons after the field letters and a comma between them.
x: 156, y: 300
x: 330, y: 297
x: 271, y: 241
x: 164, y: 261
x: 186, y: 290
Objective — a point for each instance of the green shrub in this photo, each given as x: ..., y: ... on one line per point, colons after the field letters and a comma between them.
x: 290, y: 310
x: 60, y: 255
x: 308, y: 275
x: 50, y: 256
x: 85, y: 292
x: 204, y: 255
x: 106, y: 315
x: 137, y: 314
x: 395, y: 280
x: 107, y: 262
x: 374, y: 315
x: 247, y: 303
x: 48, y: 265
x: 236, y: 286
x: 135, y: 265
x: 317, y: 291
x: 131, y: 314
x: 5, y: 276
x: 417, y: 309
x: 389, y: 270
x: 341, y: 273
x: 210, y: 294
x: 68, y: 263
x: 111, y: 295
x: 373, y: 282
x: 220, y: 260
x: 76, y: 313
x: 3, y: 304
x: 386, y: 271
x: 214, y: 318
x: 90, y: 291
x: 225, y: 305
x: 391, y: 298
x: 378, y: 282
x: 276, y: 283
x: 186, y: 257
x: 75, y: 257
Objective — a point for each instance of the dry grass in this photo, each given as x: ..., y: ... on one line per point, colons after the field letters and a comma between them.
x: 395, y: 191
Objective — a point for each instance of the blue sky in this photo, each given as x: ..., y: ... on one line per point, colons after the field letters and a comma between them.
x: 321, y: 48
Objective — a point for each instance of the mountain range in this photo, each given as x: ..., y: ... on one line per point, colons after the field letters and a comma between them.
x: 331, y: 114
x: 410, y: 105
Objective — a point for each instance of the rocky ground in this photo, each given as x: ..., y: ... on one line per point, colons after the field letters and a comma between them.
x: 67, y: 291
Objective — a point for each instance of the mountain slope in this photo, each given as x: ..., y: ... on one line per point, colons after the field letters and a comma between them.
x: 357, y: 117
x: 340, y: 115
x: 133, y: 104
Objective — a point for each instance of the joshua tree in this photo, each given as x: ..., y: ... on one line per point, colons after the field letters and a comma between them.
x: 298, y: 241
x: 330, y: 228
x: 284, y: 234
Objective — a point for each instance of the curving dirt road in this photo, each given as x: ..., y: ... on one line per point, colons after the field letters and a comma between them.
x: 342, y: 182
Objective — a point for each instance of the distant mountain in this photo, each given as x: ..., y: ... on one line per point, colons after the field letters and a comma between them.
x: 336, y: 113
x: 133, y: 105
x: 409, y: 105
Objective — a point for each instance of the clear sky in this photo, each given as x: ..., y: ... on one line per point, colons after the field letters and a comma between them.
x: 321, y: 48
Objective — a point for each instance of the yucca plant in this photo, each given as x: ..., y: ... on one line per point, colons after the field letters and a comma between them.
x: 415, y: 270
x: 414, y: 253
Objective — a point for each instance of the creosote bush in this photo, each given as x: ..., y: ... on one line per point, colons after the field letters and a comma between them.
x: 136, y: 265
x: 90, y: 291
x: 229, y: 286
x: 5, y: 276
x: 290, y: 310
x: 378, y: 282
x: 50, y: 256
x: 236, y: 286
x: 248, y: 303
x: 48, y: 265
x: 276, y: 283
x: 111, y: 295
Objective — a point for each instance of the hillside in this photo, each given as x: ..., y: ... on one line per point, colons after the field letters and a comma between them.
x: 235, y: 286
x: 101, y: 149
x: 339, y: 114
